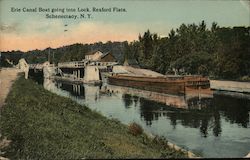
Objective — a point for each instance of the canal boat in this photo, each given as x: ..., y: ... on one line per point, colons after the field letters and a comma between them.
x: 162, y: 84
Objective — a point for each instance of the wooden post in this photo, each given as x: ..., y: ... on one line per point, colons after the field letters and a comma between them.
x: 79, y: 90
x: 184, y: 88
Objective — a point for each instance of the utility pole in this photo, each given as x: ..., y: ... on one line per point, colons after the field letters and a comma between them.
x: 49, y: 55
x: 53, y: 60
x: 65, y: 30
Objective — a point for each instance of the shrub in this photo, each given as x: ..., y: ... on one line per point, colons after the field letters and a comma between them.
x: 160, y: 140
x: 135, y: 129
x: 245, y: 78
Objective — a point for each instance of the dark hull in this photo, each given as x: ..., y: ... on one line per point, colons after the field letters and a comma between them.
x: 160, y: 85
x: 176, y: 85
x: 196, y: 82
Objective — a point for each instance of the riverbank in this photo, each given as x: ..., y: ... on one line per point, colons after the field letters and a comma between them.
x: 232, y: 86
x: 43, y: 125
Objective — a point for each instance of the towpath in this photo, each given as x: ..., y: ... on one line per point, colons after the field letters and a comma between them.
x: 7, y: 77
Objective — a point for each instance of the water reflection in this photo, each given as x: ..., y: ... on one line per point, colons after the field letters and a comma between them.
x: 74, y: 89
x: 196, y: 112
x: 235, y: 110
x: 192, y: 100
x: 202, y: 119
x: 176, y: 117
x: 127, y: 99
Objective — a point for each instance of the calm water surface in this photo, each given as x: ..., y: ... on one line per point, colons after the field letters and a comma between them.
x: 209, y: 124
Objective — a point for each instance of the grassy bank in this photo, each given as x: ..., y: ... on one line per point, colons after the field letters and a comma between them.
x: 43, y: 125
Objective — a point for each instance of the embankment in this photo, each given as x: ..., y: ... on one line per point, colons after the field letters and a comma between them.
x: 43, y: 125
x: 242, y: 87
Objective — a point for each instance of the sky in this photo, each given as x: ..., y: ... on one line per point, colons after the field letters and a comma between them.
x: 32, y: 30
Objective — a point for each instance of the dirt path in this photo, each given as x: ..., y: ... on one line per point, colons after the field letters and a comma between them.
x: 7, y: 77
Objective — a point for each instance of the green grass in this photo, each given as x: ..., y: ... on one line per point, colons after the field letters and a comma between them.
x: 43, y: 125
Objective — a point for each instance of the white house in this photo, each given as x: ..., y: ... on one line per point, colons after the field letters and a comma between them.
x: 93, y: 56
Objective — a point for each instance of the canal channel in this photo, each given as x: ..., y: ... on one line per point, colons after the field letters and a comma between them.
x: 210, y: 124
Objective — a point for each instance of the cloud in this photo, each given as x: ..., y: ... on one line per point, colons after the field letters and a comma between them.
x: 5, y: 28
x: 40, y: 35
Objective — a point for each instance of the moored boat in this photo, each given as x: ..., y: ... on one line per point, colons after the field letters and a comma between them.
x: 162, y: 84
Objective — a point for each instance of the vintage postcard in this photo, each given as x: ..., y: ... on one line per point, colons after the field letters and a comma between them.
x: 108, y: 79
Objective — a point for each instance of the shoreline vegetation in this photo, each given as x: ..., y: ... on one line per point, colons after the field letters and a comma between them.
x: 43, y: 125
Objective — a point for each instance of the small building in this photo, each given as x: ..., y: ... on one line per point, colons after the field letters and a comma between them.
x: 100, y: 57
x: 107, y: 57
x: 103, y: 61
x: 93, y: 56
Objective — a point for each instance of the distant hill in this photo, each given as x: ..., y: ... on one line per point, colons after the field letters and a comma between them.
x: 74, y: 52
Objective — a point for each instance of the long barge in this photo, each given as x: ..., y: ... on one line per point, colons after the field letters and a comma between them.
x: 169, y: 85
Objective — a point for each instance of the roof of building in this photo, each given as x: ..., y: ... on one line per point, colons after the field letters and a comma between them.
x: 92, y: 52
x: 110, y: 54
x: 105, y: 54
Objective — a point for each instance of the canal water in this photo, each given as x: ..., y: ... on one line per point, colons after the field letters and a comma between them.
x: 210, y: 124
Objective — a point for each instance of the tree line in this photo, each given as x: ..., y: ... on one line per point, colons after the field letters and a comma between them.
x: 217, y: 52
x: 74, y: 52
